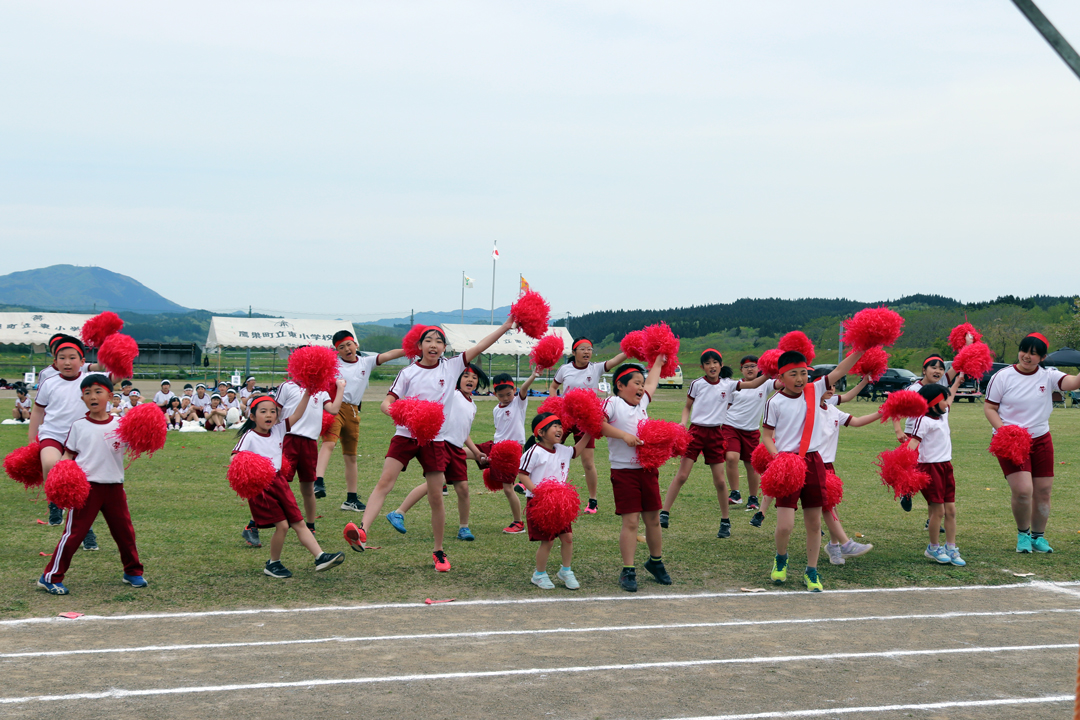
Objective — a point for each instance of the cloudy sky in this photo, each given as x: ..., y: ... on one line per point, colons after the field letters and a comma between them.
x: 355, y: 158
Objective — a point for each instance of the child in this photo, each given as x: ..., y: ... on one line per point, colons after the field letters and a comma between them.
x: 932, y: 438
x: 164, y: 396
x: 276, y: 507
x: 215, y: 415
x: 187, y: 410
x: 636, y: 490
x: 580, y: 372
x: 200, y: 401
x: 431, y: 378
x: 92, y: 443
x: 460, y: 413
x: 246, y: 391
x: 53, y: 370
x: 188, y: 391
x: 741, y: 434
x: 356, y: 370
x: 509, y: 417
x: 706, y: 406
x: 24, y: 406
x: 115, y: 406
x: 174, y: 414
x: 790, y: 425
x: 545, y: 459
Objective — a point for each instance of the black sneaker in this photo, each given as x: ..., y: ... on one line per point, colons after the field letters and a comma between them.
x: 905, y: 503
x: 274, y: 568
x: 752, y: 503
x: 56, y: 515
x: 320, y: 488
x: 664, y: 518
x: 593, y: 507
x: 354, y: 505
x: 725, y: 529
x: 757, y: 519
x: 519, y: 488
x: 926, y: 526
x: 328, y: 560
x: 628, y: 579
x: 445, y: 490
x: 251, y: 536
x: 734, y: 498
x: 656, y: 567
x: 90, y: 541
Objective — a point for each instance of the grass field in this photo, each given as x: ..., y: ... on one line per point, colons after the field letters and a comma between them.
x: 188, y: 525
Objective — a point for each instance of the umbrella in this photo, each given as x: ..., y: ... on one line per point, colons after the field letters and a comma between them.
x: 1064, y: 356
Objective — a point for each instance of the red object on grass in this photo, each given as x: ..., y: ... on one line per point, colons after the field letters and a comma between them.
x: 96, y: 329
x: 786, y: 475
x: 250, y: 474
x: 531, y: 312
x: 422, y: 418
x: 554, y: 506
x: 490, y: 482
x: 505, y: 459
x: 1012, y: 443
x: 327, y: 421
x: 118, y: 353
x: 67, y: 486
x: 903, y: 404
x: 659, y: 340
x: 314, y: 368
x: 143, y: 429
x: 633, y: 344
x: 768, y: 363
x: 760, y: 458
x: 899, y: 470
x: 874, y: 363
x: 662, y: 440
x: 834, y: 490
x: 554, y: 404
x: 547, y: 353
x: 411, y: 342
x: 797, y: 341
x: 958, y: 336
x: 24, y: 465
x: 873, y: 326
x: 974, y: 360
x: 583, y: 409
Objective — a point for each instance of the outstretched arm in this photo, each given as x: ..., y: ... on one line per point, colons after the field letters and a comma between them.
x: 865, y: 420
x: 854, y: 392
x: 523, y: 391
x: 471, y: 353
x: 615, y: 362
x: 653, y: 380
x: 841, y: 371
x: 389, y: 355
x: 751, y: 384
x: 1070, y: 382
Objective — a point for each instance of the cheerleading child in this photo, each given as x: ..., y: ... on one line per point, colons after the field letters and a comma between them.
x: 356, y: 369
x: 704, y: 413
x: 931, y: 436
x: 509, y: 417
x: 546, y: 459
x: 1023, y: 395
x: 460, y: 413
x: 790, y: 424
x: 54, y: 369
x: 582, y: 372
x: 636, y: 489
x: 91, y: 443
x: 276, y: 507
x: 741, y: 435
x: 433, y: 378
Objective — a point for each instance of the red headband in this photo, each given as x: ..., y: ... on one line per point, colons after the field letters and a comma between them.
x: 428, y: 329
x: 101, y: 385
x: 508, y: 382
x: 791, y: 366
x: 714, y: 350
x: 68, y: 344
x: 935, y: 401
x: 545, y: 422
x: 931, y: 359
x: 578, y: 342
x: 627, y: 371
x: 1040, y: 336
x: 256, y: 401
x: 345, y: 339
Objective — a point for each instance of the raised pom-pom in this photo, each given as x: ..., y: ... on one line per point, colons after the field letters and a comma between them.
x: 958, y: 336
x: 874, y: 363
x: 143, y: 429
x: 768, y: 363
x: 505, y: 459
x: 873, y: 326
x: 411, y: 342
x: 903, y: 404
x: 118, y: 353
x: 490, y: 481
x: 314, y: 368
x: 974, y: 360
x: 760, y: 458
x: 96, y: 329
x: 834, y: 490
x: 250, y: 474
x: 67, y: 486
x: 553, y: 404
x: 422, y: 418
x: 24, y: 465
x: 554, y: 506
x: 662, y: 440
x: 531, y: 312
x: 583, y: 410
x: 633, y: 344
x: 1012, y: 443
x: 899, y: 470
x: 547, y: 353
x: 786, y: 475
x: 327, y: 421
x: 659, y: 340
x: 798, y: 342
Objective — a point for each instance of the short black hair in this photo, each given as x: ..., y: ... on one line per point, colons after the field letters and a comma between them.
x: 1032, y: 344
x: 125, y: 383
x: 748, y: 358
x: 623, y: 368
x: 791, y: 356
x: 96, y: 379
x: 502, y: 380
x: 711, y: 355
x: 481, y: 376
x: 341, y: 335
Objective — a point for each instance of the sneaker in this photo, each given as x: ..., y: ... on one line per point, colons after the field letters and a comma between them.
x: 90, y: 541
x: 905, y: 503
x: 954, y: 557
x: 542, y: 581
x: 1040, y: 545
x: 752, y: 503
x: 1023, y: 542
x: 445, y: 490
x: 135, y: 581
x: 734, y: 498
x: 757, y: 519
x: 397, y: 520
x: 664, y: 516
x: 591, y: 510
x: 515, y: 528
x: 656, y: 567
x: 937, y: 554
x: 812, y: 581
x: 274, y: 568
x: 354, y: 505
x: 627, y: 580
x: 836, y: 556
x: 520, y: 490
x: 251, y: 536
x: 926, y: 526
x: 56, y: 515
x: 725, y: 529
x: 779, y: 574
x: 568, y: 578
x: 853, y: 549
x: 320, y: 488
x: 465, y: 534
x: 328, y: 560
x: 52, y: 588
x: 442, y: 563
x: 355, y: 536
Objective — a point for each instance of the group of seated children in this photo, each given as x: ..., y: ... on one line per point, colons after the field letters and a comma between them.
x: 210, y: 410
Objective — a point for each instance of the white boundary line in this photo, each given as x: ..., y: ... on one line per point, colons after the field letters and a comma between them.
x: 121, y: 693
x: 544, y: 631
x: 888, y: 708
x: 1055, y: 587
x: 530, y: 601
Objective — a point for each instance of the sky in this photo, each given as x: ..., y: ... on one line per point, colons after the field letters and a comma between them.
x: 353, y: 159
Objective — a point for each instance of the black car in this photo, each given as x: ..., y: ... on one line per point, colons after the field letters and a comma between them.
x: 985, y: 379
x: 893, y: 379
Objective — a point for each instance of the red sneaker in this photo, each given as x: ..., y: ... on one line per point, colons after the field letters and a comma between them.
x: 355, y: 536
x: 514, y: 528
x: 442, y: 563
x: 591, y: 510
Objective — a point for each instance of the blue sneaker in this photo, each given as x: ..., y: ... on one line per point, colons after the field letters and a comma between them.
x: 954, y: 557
x: 1023, y: 542
x: 52, y: 588
x: 465, y: 534
x: 937, y: 554
x: 135, y: 581
x: 1040, y: 545
x: 397, y: 520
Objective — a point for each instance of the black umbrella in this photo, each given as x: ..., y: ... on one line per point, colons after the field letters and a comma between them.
x: 1064, y: 356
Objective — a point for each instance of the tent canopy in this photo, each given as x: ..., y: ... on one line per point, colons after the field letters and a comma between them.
x: 27, y: 328
x: 1064, y: 356
x: 235, y: 332
x: 463, y: 337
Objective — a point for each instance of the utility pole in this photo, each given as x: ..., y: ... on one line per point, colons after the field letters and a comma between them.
x: 247, y: 365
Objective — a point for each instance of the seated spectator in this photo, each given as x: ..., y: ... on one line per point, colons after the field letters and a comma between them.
x: 230, y: 401
x: 113, y: 407
x: 163, y: 396
x: 200, y: 400
x: 188, y: 390
x: 215, y: 414
x: 187, y: 410
x: 23, y: 405
x: 172, y: 413
x: 246, y: 392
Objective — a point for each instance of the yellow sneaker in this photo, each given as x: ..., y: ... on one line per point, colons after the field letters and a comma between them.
x: 779, y: 574
x: 812, y: 580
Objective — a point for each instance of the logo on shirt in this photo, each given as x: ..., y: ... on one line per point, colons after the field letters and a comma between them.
x: 116, y: 446
x: 507, y: 413
x: 723, y: 395
x: 562, y: 466
x: 442, y: 382
x: 588, y: 378
x: 1042, y: 388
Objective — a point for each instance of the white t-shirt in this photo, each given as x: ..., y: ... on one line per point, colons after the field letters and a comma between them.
x: 571, y: 377
x: 935, y: 439
x: 541, y: 464
x: 310, y: 423
x: 269, y: 446
x: 624, y: 416
x: 833, y: 419
x: 460, y: 411
x: 245, y: 393
x: 200, y: 402
x: 711, y: 400
x: 434, y: 383
x: 510, y: 420
x: 26, y: 404
x: 747, y: 405
x: 53, y: 371
x: 230, y: 404
x: 61, y: 399
x: 97, y: 449
x: 357, y: 375
x: 1024, y: 400
x: 162, y: 399
x: 786, y: 415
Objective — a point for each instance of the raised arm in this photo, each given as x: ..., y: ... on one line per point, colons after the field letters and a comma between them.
x: 653, y: 380
x: 841, y: 371
x: 854, y: 392
x: 471, y: 353
x: 523, y: 391
x: 614, y: 362
x: 952, y: 389
x: 389, y: 355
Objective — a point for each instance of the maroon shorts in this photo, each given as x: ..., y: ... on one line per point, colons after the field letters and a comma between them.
x: 740, y: 441
x: 199, y: 412
x: 537, y: 536
x: 277, y: 503
x: 302, y: 454
x: 578, y: 434
x: 50, y: 443
x: 636, y: 490
x: 1040, y: 463
x: 485, y: 447
x: 942, y: 487
x: 433, y: 456
x: 812, y: 494
x: 829, y: 467
x: 457, y: 465
x: 708, y: 441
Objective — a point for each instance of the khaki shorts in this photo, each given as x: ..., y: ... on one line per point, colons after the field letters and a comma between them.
x: 345, y: 429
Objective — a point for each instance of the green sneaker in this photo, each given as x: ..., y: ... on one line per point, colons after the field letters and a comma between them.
x: 1023, y: 542
x: 1040, y: 545
x: 812, y: 580
x: 779, y: 574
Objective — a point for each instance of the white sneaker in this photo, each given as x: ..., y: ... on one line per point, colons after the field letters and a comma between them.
x: 836, y: 557
x: 954, y: 557
x: 568, y: 578
x: 937, y: 554
x: 542, y: 581
x: 854, y: 549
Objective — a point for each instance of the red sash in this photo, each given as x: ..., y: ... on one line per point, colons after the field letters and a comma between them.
x: 809, y: 394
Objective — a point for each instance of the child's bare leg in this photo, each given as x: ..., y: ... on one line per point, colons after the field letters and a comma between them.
x: 766, y: 503
x: 812, y: 520
x: 753, y: 479
x: 323, y: 462
x: 566, y: 540
x: 49, y: 457
x: 412, y: 498
x: 542, y: 554
x: 628, y: 538
x: 681, y: 475
x: 836, y: 530
x: 435, y: 481
x: 1040, y: 506
x: 307, y: 539
x: 352, y: 477
x: 588, y: 461
x: 307, y: 492
x: 720, y: 483
x: 937, y: 513
x: 461, y: 487
x: 731, y: 467
x: 511, y: 497
x: 277, y: 542
x: 653, y: 538
x: 950, y: 523
x: 1021, y: 486
x: 390, y: 471
x: 785, y: 523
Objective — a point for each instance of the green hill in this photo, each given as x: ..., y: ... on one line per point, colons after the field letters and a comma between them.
x: 69, y: 288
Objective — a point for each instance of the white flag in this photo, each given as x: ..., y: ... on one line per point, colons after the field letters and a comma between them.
x: 469, y: 282
x: 495, y: 253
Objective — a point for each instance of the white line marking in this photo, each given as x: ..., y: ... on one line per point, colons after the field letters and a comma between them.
x: 888, y: 708
x: 544, y: 631
x: 1055, y: 587
x: 121, y: 693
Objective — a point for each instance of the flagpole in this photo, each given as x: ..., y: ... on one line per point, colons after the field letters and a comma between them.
x: 493, y: 261
x: 462, y: 297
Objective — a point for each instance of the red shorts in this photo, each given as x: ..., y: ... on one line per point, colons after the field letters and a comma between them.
x: 302, y: 454
x: 485, y: 447
x: 277, y: 503
x: 636, y: 490
x: 578, y: 434
x: 708, y: 441
x: 1040, y: 463
x: 740, y: 441
x: 50, y: 443
x: 829, y: 467
x: 433, y: 456
x: 942, y: 487
x: 457, y: 465
x: 812, y: 494
x: 537, y: 536
x: 199, y: 412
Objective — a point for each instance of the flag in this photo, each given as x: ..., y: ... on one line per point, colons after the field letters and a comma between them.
x: 524, y: 285
x: 469, y: 282
x: 495, y: 253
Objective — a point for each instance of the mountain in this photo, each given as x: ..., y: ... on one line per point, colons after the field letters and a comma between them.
x: 70, y: 288
x: 430, y: 317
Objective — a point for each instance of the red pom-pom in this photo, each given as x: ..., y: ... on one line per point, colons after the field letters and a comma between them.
x: 531, y: 312
x: 769, y: 362
x: 553, y: 404
x: 411, y: 342
x: 422, y: 418
x: 24, y: 465
x: 873, y: 326
x: 903, y: 404
x: 1012, y: 443
x: 958, y: 336
x: 798, y: 342
x: 554, y: 506
x: 583, y: 410
x: 96, y: 329
x: 834, y: 490
x: 659, y: 340
x: 633, y: 344
x: 874, y: 363
x: 314, y: 368
x: 662, y: 440
x: 899, y: 470
x: 250, y: 474
x: 547, y: 353
x: 143, y: 429
x: 490, y: 482
x: 67, y: 486
x: 974, y: 360
x: 327, y: 421
x: 118, y: 353
x: 760, y: 458
x: 786, y: 475
x: 505, y: 459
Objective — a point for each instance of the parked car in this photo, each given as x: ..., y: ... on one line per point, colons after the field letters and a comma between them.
x: 893, y: 379
x: 675, y: 381
x: 821, y: 370
x: 985, y: 379
x: 968, y: 390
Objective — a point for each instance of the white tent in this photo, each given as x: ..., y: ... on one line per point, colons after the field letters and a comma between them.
x: 462, y: 337
x: 26, y: 328
x: 237, y: 332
